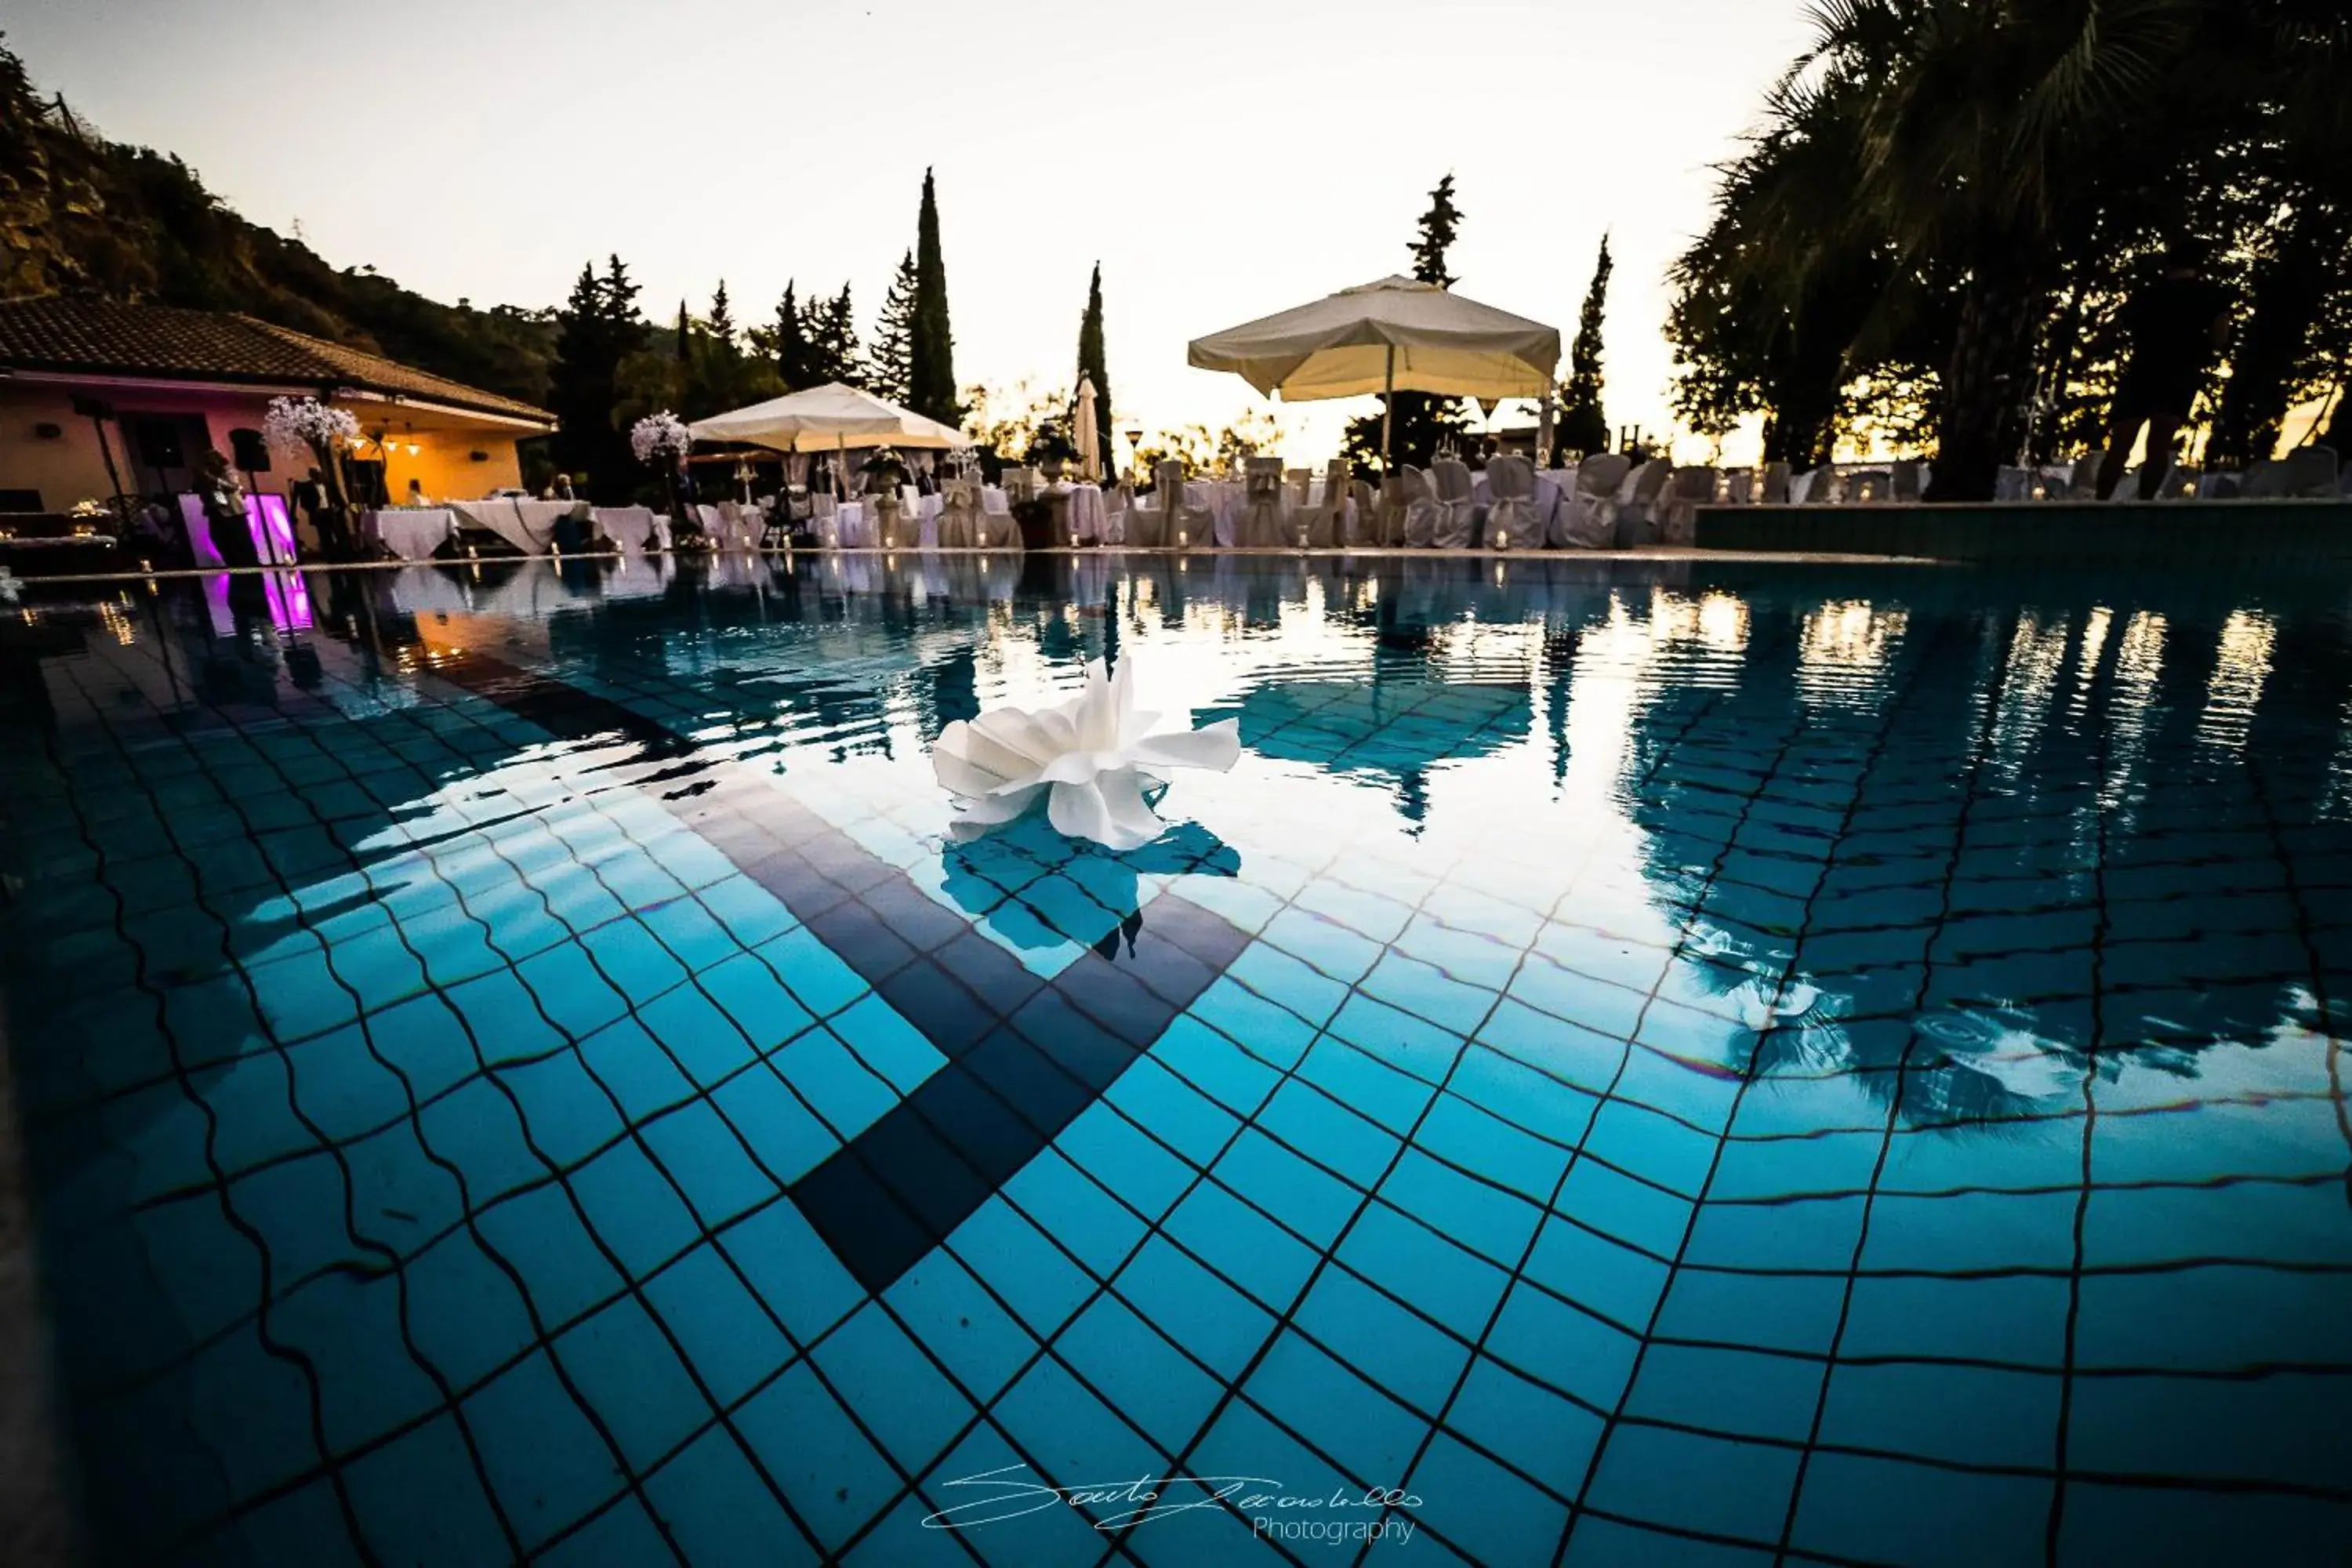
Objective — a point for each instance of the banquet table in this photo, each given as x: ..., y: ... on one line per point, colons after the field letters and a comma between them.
x: 412, y: 533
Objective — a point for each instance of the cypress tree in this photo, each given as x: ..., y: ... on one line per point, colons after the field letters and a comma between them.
x: 889, y: 368
x: 1091, y: 364
x: 1583, y: 426
x: 930, y: 380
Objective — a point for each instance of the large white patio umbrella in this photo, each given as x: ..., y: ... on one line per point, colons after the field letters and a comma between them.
x: 1395, y: 335
x: 828, y: 418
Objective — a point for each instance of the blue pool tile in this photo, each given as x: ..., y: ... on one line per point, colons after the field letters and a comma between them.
x: 727, y: 1334
x: 634, y: 1208
x: 1016, y: 1262
x: 624, y: 1532
x: 981, y: 1344
x: 566, y: 1112
x: 791, y: 1270
x: 1142, y: 1373
x: 547, y: 1465
x: 911, y: 1409
x: 1430, y: 1273
x: 831, y: 1473
x: 1883, y: 1509
x: 1212, y: 1320
x: 1406, y: 1355
x: 543, y: 1239
x: 1244, y: 1245
x: 1598, y: 1274
x: 719, y: 1510
x: 987, y: 1477
x: 1491, y: 1514
x: 1538, y: 1431
x: 1644, y: 1474
x: 631, y: 1376
x: 432, y: 1461
x: 702, y: 1155
x: 1370, y: 1436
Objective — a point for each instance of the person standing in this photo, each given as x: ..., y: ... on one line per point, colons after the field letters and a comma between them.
x: 223, y: 499
x: 2175, y: 329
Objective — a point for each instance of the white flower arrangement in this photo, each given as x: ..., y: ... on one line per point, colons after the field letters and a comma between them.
x: 87, y: 511
x: 296, y: 423
x: 660, y: 434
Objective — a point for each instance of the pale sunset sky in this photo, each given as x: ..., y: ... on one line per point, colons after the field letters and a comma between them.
x: 1222, y: 160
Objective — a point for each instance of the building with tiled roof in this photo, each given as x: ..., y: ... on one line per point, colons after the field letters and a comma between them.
x: 96, y: 397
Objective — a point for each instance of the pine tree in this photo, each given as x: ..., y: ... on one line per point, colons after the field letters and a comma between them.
x: 930, y: 380
x: 1091, y: 366
x: 1438, y: 226
x: 596, y: 330
x: 722, y: 325
x: 833, y: 341
x: 890, y: 367
x: 1423, y: 423
x: 1584, y: 428
x: 795, y: 356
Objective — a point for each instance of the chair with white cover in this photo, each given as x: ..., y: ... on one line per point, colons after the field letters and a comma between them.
x: 1320, y: 523
x: 1775, y: 485
x: 1868, y: 487
x: 1363, y: 513
x: 1511, y: 519
x: 1457, y: 505
x: 1416, y: 503
x: 2306, y: 473
x: 1182, y: 526
x: 2180, y: 484
x: 1587, y: 519
x: 1260, y: 525
x: 1739, y: 488
x: 1692, y: 487
x: 962, y: 523
x: 1639, y: 505
x: 1118, y: 502
x: 2082, y: 484
x: 1903, y: 482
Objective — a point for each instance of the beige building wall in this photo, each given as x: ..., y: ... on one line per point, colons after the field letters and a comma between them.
x: 69, y: 468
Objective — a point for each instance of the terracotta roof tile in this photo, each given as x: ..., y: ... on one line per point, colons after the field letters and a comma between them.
x: 103, y: 338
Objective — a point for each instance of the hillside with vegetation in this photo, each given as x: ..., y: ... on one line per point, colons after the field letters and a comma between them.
x: 80, y: 216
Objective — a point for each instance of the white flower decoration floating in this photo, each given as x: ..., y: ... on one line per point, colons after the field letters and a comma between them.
x: 1091, y: 753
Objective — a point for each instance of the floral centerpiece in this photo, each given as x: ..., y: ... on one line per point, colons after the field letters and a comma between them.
x: 657, y: 436
x: 304, y: 424
x: 663, y: 439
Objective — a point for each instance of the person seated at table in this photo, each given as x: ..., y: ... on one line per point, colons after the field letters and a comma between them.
x: 223, y: 499
x: 562, y: 489
x: 416, y: 494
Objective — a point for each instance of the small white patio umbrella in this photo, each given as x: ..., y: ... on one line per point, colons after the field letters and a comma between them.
x: 1395, y: 335
x: 1089, y: 438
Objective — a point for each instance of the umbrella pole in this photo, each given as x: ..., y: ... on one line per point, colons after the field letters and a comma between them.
x: 1388, y: 412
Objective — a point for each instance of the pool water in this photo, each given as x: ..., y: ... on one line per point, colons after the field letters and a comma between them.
x: 1658, y: 1064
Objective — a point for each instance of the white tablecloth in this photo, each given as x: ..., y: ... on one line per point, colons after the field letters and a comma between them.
x: 412, y: 533
x: 527, y: 525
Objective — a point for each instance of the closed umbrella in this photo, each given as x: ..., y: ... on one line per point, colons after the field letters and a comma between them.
x: 1090, y: 439
x: 1396, y: 335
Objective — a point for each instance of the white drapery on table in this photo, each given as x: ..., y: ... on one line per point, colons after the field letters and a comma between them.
x: 527, y: 525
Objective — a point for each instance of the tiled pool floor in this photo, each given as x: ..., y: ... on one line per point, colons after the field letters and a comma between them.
x: 1679, y: 1063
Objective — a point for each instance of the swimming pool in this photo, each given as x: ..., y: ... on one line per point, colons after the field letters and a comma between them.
x: 1683, y: 1063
